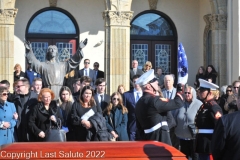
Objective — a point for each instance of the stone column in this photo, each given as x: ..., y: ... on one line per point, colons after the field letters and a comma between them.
x: 117, y: 43
x: 218, y: 26
x: 7, y: 17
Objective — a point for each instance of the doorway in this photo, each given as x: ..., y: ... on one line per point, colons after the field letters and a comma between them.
x: 159, y: 53
x: 154, y: 39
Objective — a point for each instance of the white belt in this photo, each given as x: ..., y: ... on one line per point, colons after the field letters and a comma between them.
x: 207, y: 131
x: 154, y: 128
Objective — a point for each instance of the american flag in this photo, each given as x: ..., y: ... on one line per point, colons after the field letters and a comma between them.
x: 182, y: 65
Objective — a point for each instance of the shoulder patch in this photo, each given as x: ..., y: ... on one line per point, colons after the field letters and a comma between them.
x: 218, y: 115
x: 164, y: 99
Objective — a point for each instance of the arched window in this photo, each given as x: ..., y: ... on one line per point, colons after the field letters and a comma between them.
x: 154, y: 38
x: 52, y: 26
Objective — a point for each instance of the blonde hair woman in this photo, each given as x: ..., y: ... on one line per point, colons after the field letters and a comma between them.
x: 18, y: 73
x: 65, y: 103
x: 147, y: 66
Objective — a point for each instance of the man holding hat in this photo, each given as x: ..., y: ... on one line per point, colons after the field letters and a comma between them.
x: 206, y: 118
x: 151, y: 110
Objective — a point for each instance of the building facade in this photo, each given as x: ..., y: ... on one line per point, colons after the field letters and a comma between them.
x: 119, y: 31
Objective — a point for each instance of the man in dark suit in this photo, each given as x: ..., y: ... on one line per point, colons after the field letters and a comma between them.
x: 102, y: 99
x: 86, y: 71
x: 130, y: 99
x: 134, y: 71
x: 24, y: 101
x: 98, y: 73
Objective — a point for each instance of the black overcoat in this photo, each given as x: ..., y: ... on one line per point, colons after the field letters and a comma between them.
x: 40, y: 118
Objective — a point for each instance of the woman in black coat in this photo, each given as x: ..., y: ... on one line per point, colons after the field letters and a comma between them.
x: 82, y: 110
x: 211, y: 74
x: 65, y: 103
x: 44, y: 112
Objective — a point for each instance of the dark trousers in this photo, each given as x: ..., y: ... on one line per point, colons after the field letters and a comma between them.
x: 174, y: 138
x: 132, y: 136
x: 186, y: 147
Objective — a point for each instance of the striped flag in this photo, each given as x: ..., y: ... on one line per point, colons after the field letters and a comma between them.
x: 182, y: 65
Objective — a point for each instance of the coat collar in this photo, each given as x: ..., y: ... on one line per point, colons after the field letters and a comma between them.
x: 52, y: 108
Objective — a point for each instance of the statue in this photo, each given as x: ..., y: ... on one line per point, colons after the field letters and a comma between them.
x: 52, y: 70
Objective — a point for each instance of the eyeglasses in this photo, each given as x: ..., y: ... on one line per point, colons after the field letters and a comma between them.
x: 235, y: 87
x: 19, y: 86
x: 86, y: 62
x: 229, y: 90
x: 187, y: 93
x: 153, y: 80
x: 114, y: 99
x: 5, y: 94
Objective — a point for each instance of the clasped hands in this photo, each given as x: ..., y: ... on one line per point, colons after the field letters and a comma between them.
x: 115, y: 135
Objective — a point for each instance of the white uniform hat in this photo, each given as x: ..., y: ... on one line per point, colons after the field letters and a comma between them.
x: 207, y: 85
x: 146, y: 78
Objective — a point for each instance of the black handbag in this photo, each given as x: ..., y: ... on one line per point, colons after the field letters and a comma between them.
x: 193, y: 129
x: 55, y: 134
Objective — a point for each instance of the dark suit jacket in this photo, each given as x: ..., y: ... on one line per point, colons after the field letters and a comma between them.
x: 225, y: 142
x: 139, y: 72
x: 91, y: 73
x: 106, y: 101
x: 129, y: 102
x: 100, y: 74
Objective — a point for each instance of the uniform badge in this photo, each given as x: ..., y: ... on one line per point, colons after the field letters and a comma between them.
x: 204, y: 110
x: 218, y: 115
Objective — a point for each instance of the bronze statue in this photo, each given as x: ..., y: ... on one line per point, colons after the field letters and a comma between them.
x: 53, y: 71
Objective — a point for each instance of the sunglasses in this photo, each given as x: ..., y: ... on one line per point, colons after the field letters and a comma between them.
x: 187, y: 93
x: 86, y: 62
x: 96, y: 65
x: 5, y: 94
x: 153, y: 80
x: 116, y: 99
x: 229, y: 90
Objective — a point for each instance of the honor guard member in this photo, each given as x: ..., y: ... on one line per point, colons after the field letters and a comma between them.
x: 151, y: 110
x: 206, y: 118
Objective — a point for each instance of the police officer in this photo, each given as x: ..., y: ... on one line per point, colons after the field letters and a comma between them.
x: 151, y: 110
x: 206, y: 118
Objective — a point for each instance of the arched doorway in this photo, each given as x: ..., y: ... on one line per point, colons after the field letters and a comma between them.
x: 154, y: 39
x: 53, y: 26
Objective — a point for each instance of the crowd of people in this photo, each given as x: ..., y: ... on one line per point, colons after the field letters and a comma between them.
x: 153, y: 108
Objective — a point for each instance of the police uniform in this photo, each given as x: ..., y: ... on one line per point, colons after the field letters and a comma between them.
x: 151, y: 113
x: 206, y: 119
